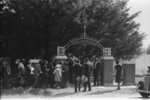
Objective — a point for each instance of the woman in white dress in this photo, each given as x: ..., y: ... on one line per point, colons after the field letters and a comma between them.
x: 58, y: 74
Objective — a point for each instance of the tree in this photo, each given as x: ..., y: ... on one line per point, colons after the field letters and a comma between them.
x: 110, y: 23
x: 116, y: 28
x: 36, y: 25
x: 44, y: 24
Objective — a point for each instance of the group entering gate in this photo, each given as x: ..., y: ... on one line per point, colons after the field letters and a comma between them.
x: 107, y: 59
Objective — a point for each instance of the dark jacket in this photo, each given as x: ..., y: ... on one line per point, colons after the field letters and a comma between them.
x: 88, y: 69
x: 118, y: 70
x: 77, y: 70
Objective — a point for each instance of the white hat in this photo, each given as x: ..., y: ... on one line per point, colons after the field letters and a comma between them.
x: 57, y: 66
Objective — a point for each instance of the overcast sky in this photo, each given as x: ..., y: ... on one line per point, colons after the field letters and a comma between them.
x: 143, y: 18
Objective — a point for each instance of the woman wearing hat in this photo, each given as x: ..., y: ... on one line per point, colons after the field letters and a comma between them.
x: 118, y: 69
x: 58, y: 74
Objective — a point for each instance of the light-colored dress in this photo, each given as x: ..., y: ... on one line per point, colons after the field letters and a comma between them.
x: 58, y: 73
x: 21, y: 73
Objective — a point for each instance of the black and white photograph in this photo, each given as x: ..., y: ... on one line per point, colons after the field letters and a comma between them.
x: 75, y: 49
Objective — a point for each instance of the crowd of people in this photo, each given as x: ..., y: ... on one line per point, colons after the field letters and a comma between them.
x: 55, y: 74
x: 82, y: 71
x: 52, y: 74
x: 25, y: 74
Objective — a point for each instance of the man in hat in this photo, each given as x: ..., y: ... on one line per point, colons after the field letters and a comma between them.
x: 87, y: 73
x: 21, y: 73
x: 118, y: 69
x: 77, y: 75
x: 96, y: 72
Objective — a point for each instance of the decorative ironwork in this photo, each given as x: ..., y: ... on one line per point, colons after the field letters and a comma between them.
x: 84, y: 40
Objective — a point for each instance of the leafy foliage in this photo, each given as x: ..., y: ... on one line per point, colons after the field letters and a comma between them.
x: 31, y: 26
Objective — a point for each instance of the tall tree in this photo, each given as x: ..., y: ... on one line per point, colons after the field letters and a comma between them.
x: 36, y: 25
x: 110, y: 23
x: 29, y: 26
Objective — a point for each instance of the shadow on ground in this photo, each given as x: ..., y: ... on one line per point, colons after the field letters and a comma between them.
x: 141, y: 98
x: 64, y: 94
x: 17, y: 91
x: 30, y: 91
x: 102, y: 92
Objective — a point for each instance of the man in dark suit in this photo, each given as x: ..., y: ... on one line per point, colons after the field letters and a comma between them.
x: 87, y: 73
x: 118, y: 69
x: 70, y: 64
x: 77, y: 75
x: 96, y: 72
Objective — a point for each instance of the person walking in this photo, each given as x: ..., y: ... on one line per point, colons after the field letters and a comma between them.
x: 21, y: 73
x: 51, y: 75
x: 77, y: 75
x: 44, y: 74
x: 65, y: 75
x: 31, y: 72
x: 58, y: 74
x: 118, y: 69
x: 96, y: 72
x: 27, y: 74
x: 87, y: 73
x: 37, y: 73
x: 70, y: 65
x: 6, y: 73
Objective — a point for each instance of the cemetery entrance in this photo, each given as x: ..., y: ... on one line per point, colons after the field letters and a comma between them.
x: 106, y: 58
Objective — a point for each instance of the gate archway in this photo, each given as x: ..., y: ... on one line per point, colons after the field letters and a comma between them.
x: 85, y: 41
x: 82, y: 40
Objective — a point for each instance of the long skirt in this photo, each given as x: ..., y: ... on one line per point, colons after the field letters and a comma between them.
x: 118, y: 78
x: 57, y: 78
